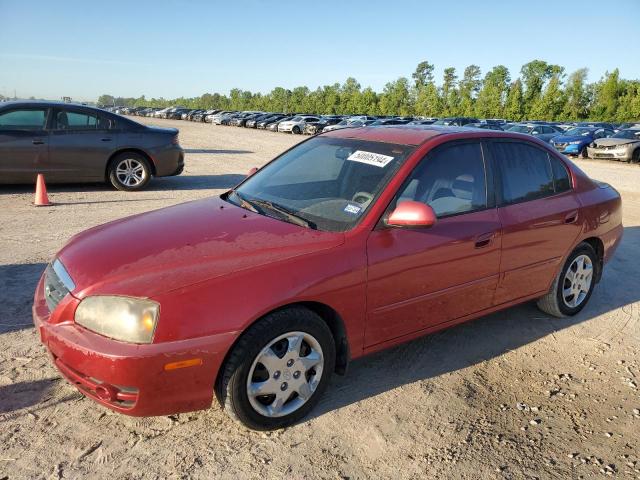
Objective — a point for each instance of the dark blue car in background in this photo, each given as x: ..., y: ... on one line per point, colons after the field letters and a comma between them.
x: 576, y: 140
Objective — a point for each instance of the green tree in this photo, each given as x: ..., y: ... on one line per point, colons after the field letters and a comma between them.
x: 469, y: 86
x: 423, y: 74
x: 552, y: 102
x: 514, y: 109
x: 577, y: 96
x: 493, y: 95
x: 395, y: 99
x: 534, y: 75
x: 607, y: 96
x: 450, y: 95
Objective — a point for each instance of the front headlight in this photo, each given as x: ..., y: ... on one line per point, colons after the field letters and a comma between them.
x: 121, y: 318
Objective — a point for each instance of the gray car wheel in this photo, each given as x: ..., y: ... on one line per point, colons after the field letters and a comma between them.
x: 129, y: 172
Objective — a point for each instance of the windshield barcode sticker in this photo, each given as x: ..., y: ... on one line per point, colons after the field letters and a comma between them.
x: 370, y: 158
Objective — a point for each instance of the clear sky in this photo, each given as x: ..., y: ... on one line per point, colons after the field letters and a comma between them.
x: 174, y: 48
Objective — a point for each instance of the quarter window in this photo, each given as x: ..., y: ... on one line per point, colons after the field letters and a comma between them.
x: 560, y: 175
x: 525, y: 172
x: 26, y: 119
x: 451, y: 180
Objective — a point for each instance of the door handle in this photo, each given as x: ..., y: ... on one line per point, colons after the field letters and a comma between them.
x: 105, y: 139
x: 571, y: 217
x: 484, y: 240
x: 37, y: 141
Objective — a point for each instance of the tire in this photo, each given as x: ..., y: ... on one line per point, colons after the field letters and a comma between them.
x: 557, y: 302
x: 584, y: 153
x: 635, y: 158
x: 129, y: 172
x: 296, y: 130
x: 243, y: 369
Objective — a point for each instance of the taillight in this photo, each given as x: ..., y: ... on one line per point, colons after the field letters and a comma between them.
x: 175, y: 139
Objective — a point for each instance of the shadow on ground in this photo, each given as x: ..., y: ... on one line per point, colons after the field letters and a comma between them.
x: 216, y: 152
x: 25, y: 394
x: 17, y: 286
x: 180, y: 182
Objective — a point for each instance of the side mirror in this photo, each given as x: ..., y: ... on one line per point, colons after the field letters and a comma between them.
x: 412, y: 214
x: 252, y: 171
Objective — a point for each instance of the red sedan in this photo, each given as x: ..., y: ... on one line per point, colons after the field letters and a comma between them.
x: 346, y: 244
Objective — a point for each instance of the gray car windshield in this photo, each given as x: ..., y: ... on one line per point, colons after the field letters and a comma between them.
x: 324, y: 183
x: 520, y: 129
x: 629, y: 134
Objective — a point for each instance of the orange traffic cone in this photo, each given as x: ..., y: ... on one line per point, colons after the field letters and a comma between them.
x: 42, y: 199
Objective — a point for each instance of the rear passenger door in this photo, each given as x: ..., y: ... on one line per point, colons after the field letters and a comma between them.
x: 24, y: 144
x: 81, y: 142
x: 539, y: 214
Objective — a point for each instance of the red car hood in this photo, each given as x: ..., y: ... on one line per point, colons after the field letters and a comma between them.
x: 170, y: 248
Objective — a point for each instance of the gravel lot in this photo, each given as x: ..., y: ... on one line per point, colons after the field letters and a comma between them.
x: 516, y: 394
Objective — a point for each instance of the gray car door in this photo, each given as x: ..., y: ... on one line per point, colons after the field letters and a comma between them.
x: 81, y: 142
x: 24, y: 143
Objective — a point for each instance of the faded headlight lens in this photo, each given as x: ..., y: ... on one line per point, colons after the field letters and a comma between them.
x: 121, y: 318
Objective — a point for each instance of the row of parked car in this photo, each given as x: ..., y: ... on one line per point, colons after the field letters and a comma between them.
x: 586, y: 139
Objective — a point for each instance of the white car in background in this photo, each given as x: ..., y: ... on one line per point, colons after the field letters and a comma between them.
x: 296, y: 124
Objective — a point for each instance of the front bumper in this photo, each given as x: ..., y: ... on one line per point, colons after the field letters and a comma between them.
x: 129, y: 378
x: 568, y: 148
x: 623, y: 155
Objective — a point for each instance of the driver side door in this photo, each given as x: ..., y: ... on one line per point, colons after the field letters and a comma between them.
x: 421, y: 278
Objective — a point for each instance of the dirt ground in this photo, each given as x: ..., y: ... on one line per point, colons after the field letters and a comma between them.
x: 517, y: 394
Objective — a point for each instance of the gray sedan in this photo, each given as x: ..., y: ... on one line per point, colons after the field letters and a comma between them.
x: 623, y: 146
x: 543, y: 132
x: 76, y: 143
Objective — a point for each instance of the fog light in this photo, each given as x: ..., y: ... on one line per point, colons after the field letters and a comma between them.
x: 106, y: 393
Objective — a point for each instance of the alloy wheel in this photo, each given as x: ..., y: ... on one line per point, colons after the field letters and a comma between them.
x: 130, y: 172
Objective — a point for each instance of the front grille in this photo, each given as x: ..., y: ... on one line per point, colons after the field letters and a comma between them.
x: 560, y: 145
x: 57, y: 284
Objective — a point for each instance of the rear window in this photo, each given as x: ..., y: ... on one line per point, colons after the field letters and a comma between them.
x: 525, y: 172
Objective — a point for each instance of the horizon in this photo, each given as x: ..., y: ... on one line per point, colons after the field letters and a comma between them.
x: 162, y: 51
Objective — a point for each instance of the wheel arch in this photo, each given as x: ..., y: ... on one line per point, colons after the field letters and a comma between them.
x: 598, y: 245
x: 330, y: 316
x: 130, y: 150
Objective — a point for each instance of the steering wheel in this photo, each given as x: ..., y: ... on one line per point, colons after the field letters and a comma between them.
x: 363, y: 198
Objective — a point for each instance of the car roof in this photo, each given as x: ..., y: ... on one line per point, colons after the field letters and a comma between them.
x: 43, y: 103
x: 418, y: 134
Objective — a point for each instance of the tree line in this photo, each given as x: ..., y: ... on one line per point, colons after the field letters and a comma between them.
x: 542, y: 91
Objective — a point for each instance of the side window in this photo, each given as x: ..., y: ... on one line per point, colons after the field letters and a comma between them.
x: 26, y: 119
x: 560, y: 175
x: 66, y: 120
x: 525, y: 171
x: 451, y: 180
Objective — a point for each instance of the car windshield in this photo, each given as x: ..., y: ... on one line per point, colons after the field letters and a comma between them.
x: 520, y: 129
x: 629, y: 134
x: 324, y: 183
x: 579, y: 131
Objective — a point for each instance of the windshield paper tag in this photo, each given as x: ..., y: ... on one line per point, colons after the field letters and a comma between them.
x: 370, y: 158
x: 352, y: 209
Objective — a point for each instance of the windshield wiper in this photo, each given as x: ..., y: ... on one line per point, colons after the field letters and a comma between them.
x: 287, y: 214
x: 244, y: 203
